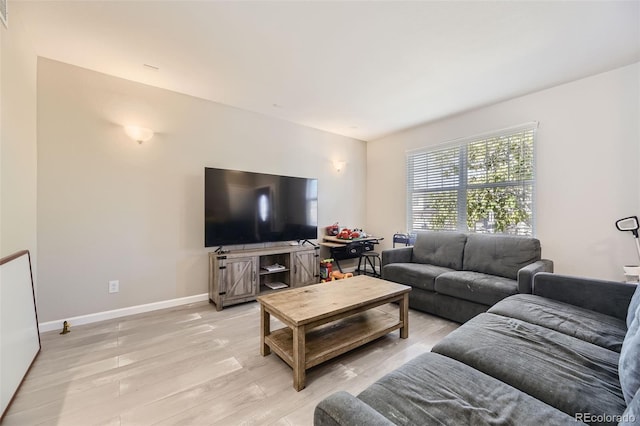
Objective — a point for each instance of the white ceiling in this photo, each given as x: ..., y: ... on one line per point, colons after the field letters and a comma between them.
x: 362, y: 69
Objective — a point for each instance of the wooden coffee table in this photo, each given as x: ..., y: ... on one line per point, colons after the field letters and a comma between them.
x: 326, y: 320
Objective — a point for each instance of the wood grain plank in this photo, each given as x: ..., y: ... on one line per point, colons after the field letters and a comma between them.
x: 313, y: 303
x: 338, y: 337
x: 193, y: 365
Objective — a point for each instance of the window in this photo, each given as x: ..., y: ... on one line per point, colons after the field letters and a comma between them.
x: 312, y: 201
x: 481, y: 184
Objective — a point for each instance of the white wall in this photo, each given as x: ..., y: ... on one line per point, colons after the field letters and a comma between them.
x: 588, y: 147
x: 18, y: 160
x: 110, y: 209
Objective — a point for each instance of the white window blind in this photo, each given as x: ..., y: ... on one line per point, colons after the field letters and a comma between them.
x: 4, y: 12
x: 480, y: 184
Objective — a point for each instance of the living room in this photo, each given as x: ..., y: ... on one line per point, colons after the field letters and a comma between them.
x: 93, y: 206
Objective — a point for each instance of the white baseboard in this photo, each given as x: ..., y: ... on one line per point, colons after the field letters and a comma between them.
x: 123, y: 312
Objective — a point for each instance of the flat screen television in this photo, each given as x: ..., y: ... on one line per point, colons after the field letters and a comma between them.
x: 244, y: 207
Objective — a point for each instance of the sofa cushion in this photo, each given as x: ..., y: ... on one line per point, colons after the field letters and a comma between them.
x: 501, y: 255
x: 414, y: 274
x: 629, y: 367
x: 343, y: 409
x: 562, y: 371
x: 632, y: 414
x: 590, y: 326
x: 475, y: 286
x: 633, y: 306
x: 607, y: 297
x: 440, y: 248
x: 433, y: 389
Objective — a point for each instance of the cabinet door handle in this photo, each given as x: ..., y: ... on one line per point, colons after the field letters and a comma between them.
x: 295, y: 269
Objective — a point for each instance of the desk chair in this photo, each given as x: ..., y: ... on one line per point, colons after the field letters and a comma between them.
x: 406, y: 239
x: 370, y: 257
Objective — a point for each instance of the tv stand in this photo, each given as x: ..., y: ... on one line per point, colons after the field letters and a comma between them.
x: 238, y: 276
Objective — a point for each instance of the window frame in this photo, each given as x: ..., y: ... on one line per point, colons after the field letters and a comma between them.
x: 463, y: 186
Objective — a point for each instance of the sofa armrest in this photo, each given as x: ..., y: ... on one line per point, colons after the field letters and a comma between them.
x: 607, y: 297
x: 396, y: 255
x: 344, y: 409
x: 525, y: 275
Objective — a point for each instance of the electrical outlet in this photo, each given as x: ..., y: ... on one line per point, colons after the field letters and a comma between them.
x: 114, y: 286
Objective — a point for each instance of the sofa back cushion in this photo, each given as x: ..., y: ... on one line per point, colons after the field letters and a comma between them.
x: 440, y: 248
x: 501, y: 255
x: 629, y: 362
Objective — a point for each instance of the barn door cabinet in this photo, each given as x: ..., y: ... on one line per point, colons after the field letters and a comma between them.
x: 305, y: 267
x: 242, y: 275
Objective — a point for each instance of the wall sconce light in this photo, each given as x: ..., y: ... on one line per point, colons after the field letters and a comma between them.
x: 138, y: 134
x: 339, y: 165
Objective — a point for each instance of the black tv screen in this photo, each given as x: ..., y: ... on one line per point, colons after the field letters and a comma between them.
x: 245, y: 208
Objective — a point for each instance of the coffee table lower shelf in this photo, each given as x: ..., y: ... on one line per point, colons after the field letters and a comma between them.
x: 335, y: 338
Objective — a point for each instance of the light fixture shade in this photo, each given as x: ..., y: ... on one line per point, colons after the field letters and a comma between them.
x: 138, y: 134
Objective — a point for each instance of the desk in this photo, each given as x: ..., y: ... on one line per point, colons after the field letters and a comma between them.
x: 348, y: 249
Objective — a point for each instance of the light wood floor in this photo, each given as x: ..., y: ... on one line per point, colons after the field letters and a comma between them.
x: 194, y: 366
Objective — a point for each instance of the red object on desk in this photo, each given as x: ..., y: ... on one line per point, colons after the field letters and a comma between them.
x: 333, y: 229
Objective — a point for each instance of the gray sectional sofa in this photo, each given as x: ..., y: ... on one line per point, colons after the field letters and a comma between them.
x: 568, y: 353
x: 458, y: 276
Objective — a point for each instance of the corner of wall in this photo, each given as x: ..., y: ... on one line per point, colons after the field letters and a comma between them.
x: 18, y: 144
